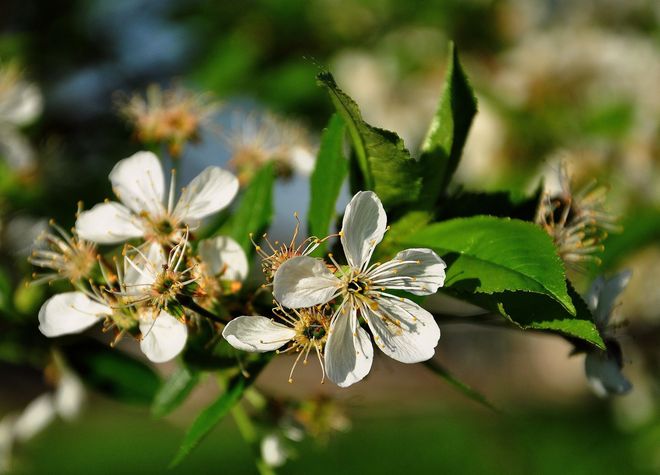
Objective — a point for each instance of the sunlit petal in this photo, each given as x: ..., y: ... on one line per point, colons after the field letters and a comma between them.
x: 222, y: 255
x: 304, y: 282
x: 70, y: 312
x: 208, y: 193
x: 348, y: 351
x: 257, y: 334
x: 403, y: 330
x: 139, y: 183
x: 363, y: 227
x: 108, y: 223
x: 163, y: 337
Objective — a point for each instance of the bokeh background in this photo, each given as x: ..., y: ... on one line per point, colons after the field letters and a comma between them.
x: 555, y: 79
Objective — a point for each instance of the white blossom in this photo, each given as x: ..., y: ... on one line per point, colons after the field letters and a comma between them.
x: 144, y: 210
x: 303, y: 330
x: 163, y: 336
x: 401, y: 329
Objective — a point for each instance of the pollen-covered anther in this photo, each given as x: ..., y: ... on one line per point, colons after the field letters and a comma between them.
x: 278, y: 253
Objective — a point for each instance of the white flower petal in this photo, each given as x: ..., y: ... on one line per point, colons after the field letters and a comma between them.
x: 16, y: 150
x: 273, y: 450
x: 304, y: 282
x: 257, y: 334
x: 108, y: 223
x: 35, y: 417
x: 163, y: 337
x: 412, y: 339
x: 604, y: 374
x: 208, y: 193
x: 420, y: 272
x: 22, y: 105
x: 224, y: 255
x: 69, y: 396
x: 141, y: 269
x: 70, y: 312
x: 302, y: 160
x: 139, y: 183
x: 363, y: 227
x: 603, y: 294
x: 348, y: 351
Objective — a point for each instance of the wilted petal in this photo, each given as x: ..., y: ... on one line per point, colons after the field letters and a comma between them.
x: 139, y: 183
x: 363, y: 227
x: 224, y: 255
x: 603, y: 294
x: 108, y: 223
x: 604, y: 374
x: 418, y: 271
x: 257, y: 334
x: 403, y: 330
x: 348, y: 351
x: 70, y: 312
x: 304, y: 282
x: 35, y: 417
x: 163, y: 337
x: 208, y: 193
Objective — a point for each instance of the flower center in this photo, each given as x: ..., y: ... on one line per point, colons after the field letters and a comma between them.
x: 315, y: 331
x: 357, y: 286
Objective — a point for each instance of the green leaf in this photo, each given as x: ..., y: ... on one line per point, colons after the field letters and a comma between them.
x: 209, y: 417
x: 214, y: 413
x: 382, y: 159
x: 174, y: 391
x: 487, y: 255
x: 113, y: 373
x: 640, y: 228
x: 255, y: 210
x: 538, y: 312
x: 5, y: 290
x: 325, y: 183
x: 504, y: 204
x: 443, y: 145
x: 459, y: 385
x: 401, y: 228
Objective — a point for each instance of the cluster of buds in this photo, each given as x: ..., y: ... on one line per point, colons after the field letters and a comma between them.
x: 152, y: 287
x: 577, y: 221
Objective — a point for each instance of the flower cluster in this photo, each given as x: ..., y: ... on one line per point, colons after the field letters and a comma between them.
x: 153, y: 285
x: 322, y: 304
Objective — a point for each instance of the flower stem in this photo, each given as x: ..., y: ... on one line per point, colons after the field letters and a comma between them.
x: 247, y: 430
x: 190, y: 304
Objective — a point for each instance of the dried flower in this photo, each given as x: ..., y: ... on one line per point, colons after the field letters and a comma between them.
x: 576, y: 221
x: 171, y: 116
x: 66, y: 255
